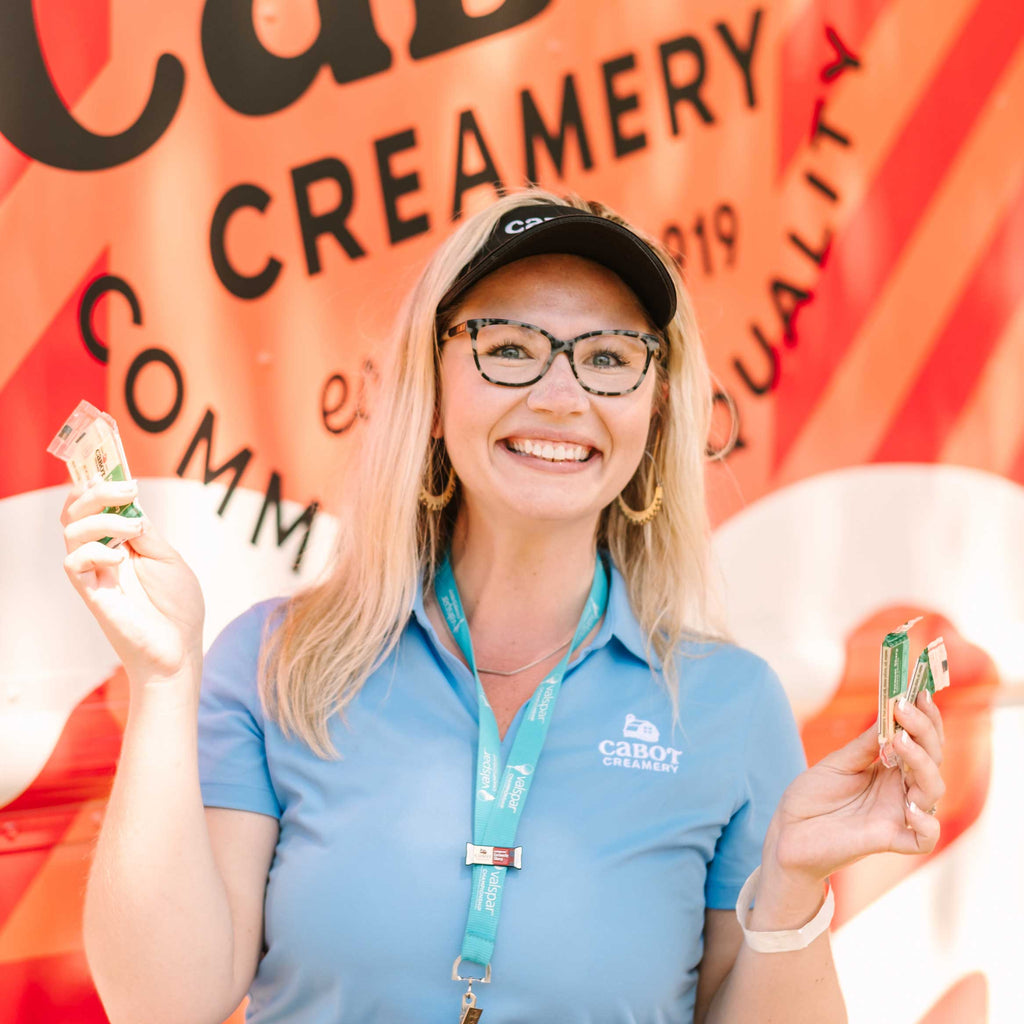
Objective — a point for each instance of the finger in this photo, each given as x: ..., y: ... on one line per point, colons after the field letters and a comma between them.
x: 920, y: 835
x: 920, y: 727
x: 150, y: 543
x: 919, y: 798
x: 91, y: 557
x: 99, y: 526
x: 97, y: 497
x: 922, y: 770
x: 927, y: 704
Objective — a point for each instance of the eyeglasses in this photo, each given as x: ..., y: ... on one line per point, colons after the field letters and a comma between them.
x: 516, y: 355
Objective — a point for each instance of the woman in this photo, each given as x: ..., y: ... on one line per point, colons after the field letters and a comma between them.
x: 529, y: 511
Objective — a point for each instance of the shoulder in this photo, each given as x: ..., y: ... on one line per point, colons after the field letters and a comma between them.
x: 231, y: 664
x: 734, y: 669
x: 732, y: 683
x: 248, y: 631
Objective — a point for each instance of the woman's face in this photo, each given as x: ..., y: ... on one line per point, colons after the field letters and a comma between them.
x: 496, y: 436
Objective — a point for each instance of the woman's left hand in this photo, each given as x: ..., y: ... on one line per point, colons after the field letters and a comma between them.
x: 850, y: 805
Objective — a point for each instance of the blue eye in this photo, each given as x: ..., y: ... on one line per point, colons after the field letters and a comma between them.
x: 606, y: 360
x: 507, y: 351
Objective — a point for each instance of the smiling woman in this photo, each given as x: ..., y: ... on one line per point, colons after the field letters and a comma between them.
x: 502, y: 744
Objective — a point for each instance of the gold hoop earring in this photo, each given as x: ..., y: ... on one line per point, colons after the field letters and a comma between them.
x: 436, y: 502
x: 644, y: 516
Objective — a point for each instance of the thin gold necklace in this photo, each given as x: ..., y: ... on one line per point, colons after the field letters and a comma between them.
x: 516, y: 671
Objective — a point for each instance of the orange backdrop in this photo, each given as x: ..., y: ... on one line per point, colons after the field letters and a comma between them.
x: 209, y: 212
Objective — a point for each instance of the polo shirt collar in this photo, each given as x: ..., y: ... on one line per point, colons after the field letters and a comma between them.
x: 619, y: 621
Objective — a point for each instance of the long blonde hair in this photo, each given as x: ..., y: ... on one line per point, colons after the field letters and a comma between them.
x: 326, y: 640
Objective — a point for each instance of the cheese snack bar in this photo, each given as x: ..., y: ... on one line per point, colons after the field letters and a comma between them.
x: 90, y: 445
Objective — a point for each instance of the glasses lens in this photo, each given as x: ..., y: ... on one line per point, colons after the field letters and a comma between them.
x: 610, y: 362
x: 509, y: 354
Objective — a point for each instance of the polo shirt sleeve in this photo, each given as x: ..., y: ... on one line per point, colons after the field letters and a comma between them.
x: 771, y: 756
x: 233, y: 770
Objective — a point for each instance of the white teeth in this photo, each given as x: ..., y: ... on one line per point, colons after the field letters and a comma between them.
x: 550, y: 452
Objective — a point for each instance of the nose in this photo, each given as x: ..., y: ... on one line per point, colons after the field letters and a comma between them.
x: 558, y: 391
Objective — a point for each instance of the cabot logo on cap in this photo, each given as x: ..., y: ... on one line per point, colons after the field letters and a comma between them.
x: 517, y: 225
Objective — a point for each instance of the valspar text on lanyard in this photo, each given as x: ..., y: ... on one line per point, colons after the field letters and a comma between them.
x: 500, y: 795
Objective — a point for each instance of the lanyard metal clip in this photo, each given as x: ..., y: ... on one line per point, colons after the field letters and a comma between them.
x: 485, y: 980
x: 470, y: 1013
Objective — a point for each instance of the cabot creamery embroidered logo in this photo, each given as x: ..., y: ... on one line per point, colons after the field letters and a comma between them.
x: 639, y: 748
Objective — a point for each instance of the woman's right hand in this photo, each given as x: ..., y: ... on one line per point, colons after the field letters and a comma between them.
x: 158, y: 632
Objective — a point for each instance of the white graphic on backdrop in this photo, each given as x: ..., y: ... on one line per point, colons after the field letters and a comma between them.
x: 52, y: 652
x: 804, y: 567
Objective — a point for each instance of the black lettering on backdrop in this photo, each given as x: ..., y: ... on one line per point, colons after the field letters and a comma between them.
x: 335, y: 395
x: 34, y: 118
x: 822, y: 186
x: 96, y: 290
x: 768, y: 383
x: 535, y: 130
x: 816, y: 256
x: 244, y: 286
x: 444, y: 24
x: 273, y: 497
x: 844, y: 57
x: 236, y: 464
x: 313, y: 225
x: 821, y: 128
x: 334, y: 398
x: 253, y: 81
x: 744, y: 56
x: 464, y: 180
x: 724, y: 222
x: 153, y: 424
x: 619, y: 104
x: 392, y: 186
x: 788, y: 299
x: 677, y: 92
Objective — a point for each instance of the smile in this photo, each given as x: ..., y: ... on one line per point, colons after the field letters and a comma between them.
x: 549, y: 451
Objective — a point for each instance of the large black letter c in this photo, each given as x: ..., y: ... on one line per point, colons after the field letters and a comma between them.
x: 33, y: 117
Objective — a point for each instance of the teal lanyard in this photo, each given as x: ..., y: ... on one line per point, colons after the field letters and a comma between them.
x: 500, y: 795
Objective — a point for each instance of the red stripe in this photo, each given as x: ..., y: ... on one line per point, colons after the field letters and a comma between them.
x: 16, y: 873
x: 51, y: 380
x: 49, y: 990
x: 75, y: 41
x: 966, y: 999
x: 80, y: 770
x: 963, y: 347
x: 865, y: 253
x: 804, y: 52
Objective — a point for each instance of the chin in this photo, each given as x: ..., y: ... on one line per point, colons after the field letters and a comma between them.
x: 554, y: 510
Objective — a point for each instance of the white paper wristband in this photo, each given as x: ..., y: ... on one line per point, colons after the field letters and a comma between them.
x: 782, y: 941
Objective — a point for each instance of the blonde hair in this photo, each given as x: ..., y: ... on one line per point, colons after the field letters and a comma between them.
x: 327, y: 640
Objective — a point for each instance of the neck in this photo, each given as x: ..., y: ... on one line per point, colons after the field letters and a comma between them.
x: 522, y: 593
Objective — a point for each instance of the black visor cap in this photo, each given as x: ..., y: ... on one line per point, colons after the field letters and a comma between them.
x: 542, y: 228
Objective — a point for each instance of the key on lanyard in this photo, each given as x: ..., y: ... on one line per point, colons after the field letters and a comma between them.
x: 470, y: 1014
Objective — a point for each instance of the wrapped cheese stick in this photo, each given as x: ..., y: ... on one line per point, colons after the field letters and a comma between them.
x: 931, y: 672
x: 892, y: 683
x: 90, y: 445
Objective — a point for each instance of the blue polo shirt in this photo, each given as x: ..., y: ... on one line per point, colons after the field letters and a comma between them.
x: 634, y: 826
